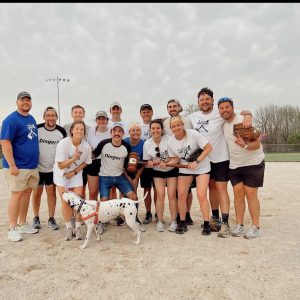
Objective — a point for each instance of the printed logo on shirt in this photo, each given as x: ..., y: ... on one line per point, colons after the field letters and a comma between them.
x: 185, y: 152
x: 113, y: 157
x: 48, y: 142
x: 201, y: 125
x: 31, y: 128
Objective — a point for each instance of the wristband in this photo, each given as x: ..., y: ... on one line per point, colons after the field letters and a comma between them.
x: 198, y: 161
x: 75, y: 172
x: 246, y: 146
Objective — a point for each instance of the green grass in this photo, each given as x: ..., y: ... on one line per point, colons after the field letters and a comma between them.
x: 292, y: 157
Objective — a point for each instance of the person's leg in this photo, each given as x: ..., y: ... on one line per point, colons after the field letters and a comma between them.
x: 224, y: 198
x: 214, y: 199
x: 93, y: 184
x: 160, y: 184
x: 253, y: 204
x: 24, y: 206
x: 36, y: 200
x: 171, y: 188
x: 14, y: 205
x: 183, y: 185
x: 51, y: 199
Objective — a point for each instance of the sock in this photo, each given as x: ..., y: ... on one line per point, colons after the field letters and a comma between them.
x: 78, y: 224
x: 225, y: 218
x: 215, y: 213
x: 68, y: 224
x: 206, y: 224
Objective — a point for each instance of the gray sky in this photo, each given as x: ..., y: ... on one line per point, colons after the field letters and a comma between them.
x: 148, y: 53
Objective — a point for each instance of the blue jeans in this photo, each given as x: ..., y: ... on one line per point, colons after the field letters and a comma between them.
x: 120, y: 182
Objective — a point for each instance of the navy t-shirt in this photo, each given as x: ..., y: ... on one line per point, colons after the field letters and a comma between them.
x: 137, y: 148
x: 22, y: 132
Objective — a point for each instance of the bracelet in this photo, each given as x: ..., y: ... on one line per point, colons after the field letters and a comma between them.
x: 75, y: 172
x: 12, y: 165
x: 198, y: 161
x: 246, y: 146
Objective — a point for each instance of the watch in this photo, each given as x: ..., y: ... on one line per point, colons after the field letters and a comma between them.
x: 75, y: 172
x: 198, y: 161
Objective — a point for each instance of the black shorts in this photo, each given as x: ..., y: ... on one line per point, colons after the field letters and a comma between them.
x: 46, y: 178
x: 252, y: 176
x: 94, y: 168
x: 84, y: 175
x: 169, y: 174
x: 146, y: 178
x: 220, y: 171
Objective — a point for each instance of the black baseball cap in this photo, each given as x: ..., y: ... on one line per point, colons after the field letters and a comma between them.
x: 146, y: 106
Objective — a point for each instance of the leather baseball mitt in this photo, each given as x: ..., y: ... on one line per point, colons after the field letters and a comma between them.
x: 247, y: 134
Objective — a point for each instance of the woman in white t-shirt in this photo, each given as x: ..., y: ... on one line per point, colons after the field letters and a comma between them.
x: 95, y: 135
x: 188, y: 146
x: 155, y: 151
x: 72, y: 155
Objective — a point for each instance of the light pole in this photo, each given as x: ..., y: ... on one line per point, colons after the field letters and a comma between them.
x: 57, y: 79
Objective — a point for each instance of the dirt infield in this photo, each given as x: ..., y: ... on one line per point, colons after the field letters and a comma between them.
x: 165, y: 265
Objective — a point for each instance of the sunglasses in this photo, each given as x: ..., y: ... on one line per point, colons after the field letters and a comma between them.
x: 157, y: 151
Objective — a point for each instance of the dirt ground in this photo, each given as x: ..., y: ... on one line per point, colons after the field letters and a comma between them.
x: 165, y: 265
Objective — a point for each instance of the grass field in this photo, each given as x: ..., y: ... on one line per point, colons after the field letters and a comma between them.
x: 291, y: 157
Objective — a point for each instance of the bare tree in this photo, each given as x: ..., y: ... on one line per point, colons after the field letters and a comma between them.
x: 190, y: 108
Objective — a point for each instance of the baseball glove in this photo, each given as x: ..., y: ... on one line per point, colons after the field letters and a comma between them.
x: 247, y: 134
x: 194, y: 155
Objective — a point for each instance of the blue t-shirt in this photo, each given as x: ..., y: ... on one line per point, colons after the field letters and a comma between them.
x: 22, y: 132
x: 138, y: 148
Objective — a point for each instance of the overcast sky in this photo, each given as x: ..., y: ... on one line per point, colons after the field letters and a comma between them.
x: 148, y: 53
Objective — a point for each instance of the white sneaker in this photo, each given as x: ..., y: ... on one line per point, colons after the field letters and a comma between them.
x: 160, y: 226
x: 252, y: 233
x: 237, y: 230
x: 14, y: 235
x: 26, y: 229
x: 172, y: 226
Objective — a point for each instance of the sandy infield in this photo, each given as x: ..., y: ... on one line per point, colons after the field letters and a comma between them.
x: 165, y: 265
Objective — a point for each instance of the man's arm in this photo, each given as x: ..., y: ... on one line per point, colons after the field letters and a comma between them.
x: 8, y: 153
x: 247, y: 121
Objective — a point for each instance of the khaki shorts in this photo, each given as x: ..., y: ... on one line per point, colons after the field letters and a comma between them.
x: 27, y: 178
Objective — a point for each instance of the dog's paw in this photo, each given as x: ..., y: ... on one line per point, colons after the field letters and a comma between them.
x: 99, y: 238
x: 136, y: 243
x: 81, y: 247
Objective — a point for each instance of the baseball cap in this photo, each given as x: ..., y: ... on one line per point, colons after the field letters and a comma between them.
x: 115, y: 103
x: 50, y: 108
x: 225, y: 99
x: 23, y: 95
x: 146, y: 106
x: 101, y: 113
x: 117, y: 125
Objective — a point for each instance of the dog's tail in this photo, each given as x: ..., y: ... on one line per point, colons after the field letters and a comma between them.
x: 141, y: 200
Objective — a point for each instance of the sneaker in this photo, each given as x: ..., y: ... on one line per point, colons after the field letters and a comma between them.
x: 36, y: 223
x: 148, y: 218
x: 78, y: 234
x: 100, y: 228
x: 69, y: 234
x: 26, y: 229
x: 252, y: 233
x: 181, y: 227
x: 52, y: 224
x: 206, y: 231
x: 188, y: 219
x: 120, y: 221
x: 160, y: 226
x: 237, y: 230
x: 172, y: 226
x: 215, y: 224
x: 224, y: 231
x: 14, y: 235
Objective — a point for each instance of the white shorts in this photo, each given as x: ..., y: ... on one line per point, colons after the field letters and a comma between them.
x: 61, y: 180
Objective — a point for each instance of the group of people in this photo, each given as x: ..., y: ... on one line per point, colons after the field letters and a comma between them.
x: 174, y: 154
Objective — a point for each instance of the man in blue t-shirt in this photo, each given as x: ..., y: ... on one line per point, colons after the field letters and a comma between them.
x: 19, y: 141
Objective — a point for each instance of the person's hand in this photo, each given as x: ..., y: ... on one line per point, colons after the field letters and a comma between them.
x: 162, y: 165
x: 14, y: 171
x: 192, y: 165
x: 150, y: 163
x: 240, y: 142
x: 76, y: 154
x: 69, y: 175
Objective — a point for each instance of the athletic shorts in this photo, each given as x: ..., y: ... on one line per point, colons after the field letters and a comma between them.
x: 27, y: 178
x: 46, y: 178
x: 146, y: 179
x: 84, y: 175
x: 251, y: 176
x: 169, y: 174
x: 120, y: 182
x: 220, y: 171
x: 94, y: 168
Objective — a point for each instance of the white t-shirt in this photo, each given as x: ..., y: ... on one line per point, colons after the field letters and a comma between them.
x: 145, y: 131
x: 186, y: 121
x: 123, y: 123
x: 149, y: 152
x: 240, y: 157
x: 185, y: 148
x: 211, y: 126
x: 65, y: 150
x: 95, y: 137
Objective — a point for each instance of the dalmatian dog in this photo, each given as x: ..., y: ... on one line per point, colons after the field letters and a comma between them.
x: 93, y: 211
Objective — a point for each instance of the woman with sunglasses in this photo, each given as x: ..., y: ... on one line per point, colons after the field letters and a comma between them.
x: 72, y: 155
x: 155, y: 151
x: 188, y: 146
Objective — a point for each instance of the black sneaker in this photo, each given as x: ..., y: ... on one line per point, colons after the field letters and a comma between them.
x: 181, y: 227
x: 120, y: 221
x: 188, y: 219
x: 148, y: 218
x: 52, y: 224
x: 214, y: 223
x: 206, y: 231
x: 36, y: 224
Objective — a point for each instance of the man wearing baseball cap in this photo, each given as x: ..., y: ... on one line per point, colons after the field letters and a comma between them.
x: 19, y: 141
x: 115, y: 110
